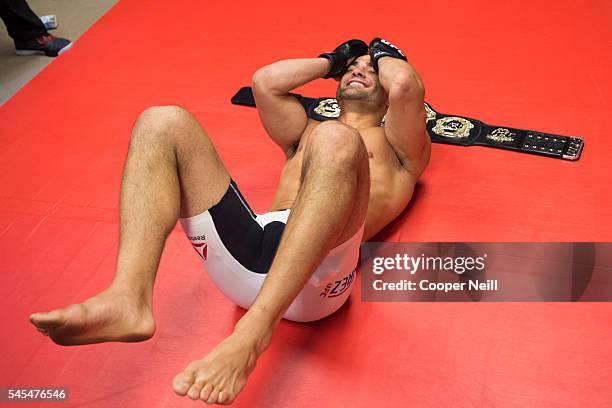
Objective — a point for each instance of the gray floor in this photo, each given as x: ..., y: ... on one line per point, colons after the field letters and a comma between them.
x: 74, y: 17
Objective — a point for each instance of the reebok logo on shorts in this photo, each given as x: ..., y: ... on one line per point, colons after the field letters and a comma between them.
x: 201, y: 249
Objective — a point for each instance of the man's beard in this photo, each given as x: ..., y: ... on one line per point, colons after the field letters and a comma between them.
x: 348, y: 94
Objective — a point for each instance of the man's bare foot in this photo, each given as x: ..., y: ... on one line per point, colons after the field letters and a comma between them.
x: 112, y: 315
x: 223, y: 372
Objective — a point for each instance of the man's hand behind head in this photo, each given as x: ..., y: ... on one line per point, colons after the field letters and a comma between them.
x: 382, y: 48
x: 341, y: 57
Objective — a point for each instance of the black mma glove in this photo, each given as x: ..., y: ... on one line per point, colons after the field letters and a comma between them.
x: 340, y: 58
x: 382, y: 48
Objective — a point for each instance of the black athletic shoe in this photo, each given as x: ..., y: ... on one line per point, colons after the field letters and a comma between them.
x: 46, y: 45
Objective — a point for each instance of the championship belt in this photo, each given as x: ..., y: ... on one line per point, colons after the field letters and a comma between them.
x: 454, y: 129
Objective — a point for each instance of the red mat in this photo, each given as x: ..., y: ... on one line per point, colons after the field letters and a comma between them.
x: 541, y: 65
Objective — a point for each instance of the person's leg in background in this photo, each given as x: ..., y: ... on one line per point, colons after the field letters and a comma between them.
x: 28, y: 31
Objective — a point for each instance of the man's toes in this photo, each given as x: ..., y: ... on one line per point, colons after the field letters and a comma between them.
x: 182, y: 382
x: 223, y: 398
x: 48, y: 320
x: 195, y: 389
x: 206, y: 391
x: 214, y: 396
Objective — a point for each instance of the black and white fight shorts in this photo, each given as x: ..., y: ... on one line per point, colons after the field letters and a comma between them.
x: 237, y: 247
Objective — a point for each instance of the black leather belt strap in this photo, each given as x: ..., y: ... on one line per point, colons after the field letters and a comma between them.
x: 454, y: 129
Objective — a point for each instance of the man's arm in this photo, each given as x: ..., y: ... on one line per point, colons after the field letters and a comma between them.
x: 281, y: 114
x: 405, y: 121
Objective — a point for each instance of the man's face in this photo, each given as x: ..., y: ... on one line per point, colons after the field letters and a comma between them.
x: 360, y: 82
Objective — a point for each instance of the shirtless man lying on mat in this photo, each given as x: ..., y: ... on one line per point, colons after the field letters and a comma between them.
x: 342, y: 182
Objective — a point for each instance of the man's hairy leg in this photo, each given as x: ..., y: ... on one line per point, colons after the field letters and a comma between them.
x: 171, y: 168
x: 329, y: 209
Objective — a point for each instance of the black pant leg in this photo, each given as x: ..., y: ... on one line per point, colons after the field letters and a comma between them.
x: 21, y: 22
